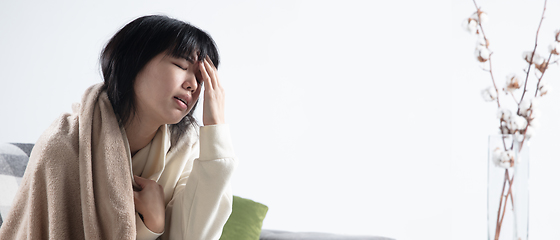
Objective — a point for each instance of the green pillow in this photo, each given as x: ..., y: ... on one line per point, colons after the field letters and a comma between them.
x: 245, y: 221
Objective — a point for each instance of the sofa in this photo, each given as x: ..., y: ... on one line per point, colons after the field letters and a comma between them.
x: 244, y: 223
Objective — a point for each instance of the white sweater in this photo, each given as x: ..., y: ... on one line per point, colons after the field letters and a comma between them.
x: 195, y: 179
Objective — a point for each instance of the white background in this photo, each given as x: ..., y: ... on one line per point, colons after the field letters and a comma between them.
x: 356, y: 117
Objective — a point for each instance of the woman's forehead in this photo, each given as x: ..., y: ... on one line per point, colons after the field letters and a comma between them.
x: 193, y: 57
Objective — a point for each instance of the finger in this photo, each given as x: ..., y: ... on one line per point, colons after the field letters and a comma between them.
x: 211, y: 68
x: 214, y: 72
x: 207, y: 58
x: 211, y: 72
x: 205, y: 76
x: 136, y: 198
x: 140, y: 181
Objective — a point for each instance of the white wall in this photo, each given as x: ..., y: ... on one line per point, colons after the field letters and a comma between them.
x: 360, y: 117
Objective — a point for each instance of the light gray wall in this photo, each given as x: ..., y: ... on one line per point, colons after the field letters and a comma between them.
x: 359, y: 117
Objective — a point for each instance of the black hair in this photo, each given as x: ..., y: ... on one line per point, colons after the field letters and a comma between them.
x: 132, y: 47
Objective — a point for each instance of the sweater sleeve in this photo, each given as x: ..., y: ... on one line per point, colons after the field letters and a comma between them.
x: 202, y: 199
x: 143, y: 232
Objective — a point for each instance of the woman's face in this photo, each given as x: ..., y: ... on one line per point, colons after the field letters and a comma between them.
x: 166, y: 89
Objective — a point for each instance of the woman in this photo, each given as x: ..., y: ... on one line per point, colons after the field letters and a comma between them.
x: 128, y: 163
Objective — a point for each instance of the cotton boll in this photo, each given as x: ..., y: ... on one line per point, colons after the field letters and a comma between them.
x: 504, y: 113
x: 542, y: 67
x: 513, y: 82
x: 485, y: 53
x: 512, y: 126
x: 535, y: 123
x: 520, y: 122
x: 503, y: 129
x: 530, y: 132
x: 470, y: 25
x: 544, y: 89
x: 507, y: 159
x: 517, y: 123
x: 527, y: 56
x: 489, y: 94
x: 496, y: 156
x: 474, y: 16
x: 524, y: 106
x: 482, y: 42
x: 482, y: 54
x: 534, y: 112
x: 537, y: 59
x: 554, y: 48
x: 505, y: 164
x: 473, y: 26
x: 557, y: 34
x: 465, y: 25
x: 483, y: 17
x: 528, y: 105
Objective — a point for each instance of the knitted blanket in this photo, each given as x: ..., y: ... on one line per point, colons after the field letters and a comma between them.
x: 78, y: 181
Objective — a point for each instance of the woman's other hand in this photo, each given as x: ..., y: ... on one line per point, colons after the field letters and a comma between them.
x: 214, y: 96
x: 150, y: 203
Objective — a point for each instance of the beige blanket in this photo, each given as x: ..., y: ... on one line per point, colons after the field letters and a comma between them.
x: 78, y: 181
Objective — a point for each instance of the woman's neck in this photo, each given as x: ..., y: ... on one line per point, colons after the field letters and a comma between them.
x: 139, y: 134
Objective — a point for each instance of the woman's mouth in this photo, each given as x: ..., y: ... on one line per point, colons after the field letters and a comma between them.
x: 182, y: 103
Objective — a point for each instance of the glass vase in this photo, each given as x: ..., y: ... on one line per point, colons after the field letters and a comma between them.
x: 508, y: 188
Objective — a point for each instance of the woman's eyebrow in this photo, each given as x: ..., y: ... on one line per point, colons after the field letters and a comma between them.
x: 189, y: 59
x: 180, y: 59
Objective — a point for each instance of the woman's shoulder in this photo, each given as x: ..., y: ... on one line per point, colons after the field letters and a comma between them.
x: 191, y: 135
x: 187, y: 140
x: 60, y: 140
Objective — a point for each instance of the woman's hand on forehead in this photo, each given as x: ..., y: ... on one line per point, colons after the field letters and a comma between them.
x: 214, y: 97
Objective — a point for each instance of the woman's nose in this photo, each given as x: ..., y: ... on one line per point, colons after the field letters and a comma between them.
x: 190, y: 83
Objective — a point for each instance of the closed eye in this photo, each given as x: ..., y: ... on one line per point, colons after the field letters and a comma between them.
x: 179, y: 66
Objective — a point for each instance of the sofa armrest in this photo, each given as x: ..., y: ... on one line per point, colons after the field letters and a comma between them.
x: 13, y: 161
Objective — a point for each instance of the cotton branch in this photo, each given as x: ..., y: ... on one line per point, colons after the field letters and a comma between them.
x: 533, y: 55
x: 542, y: 73
x: 478, y: 12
